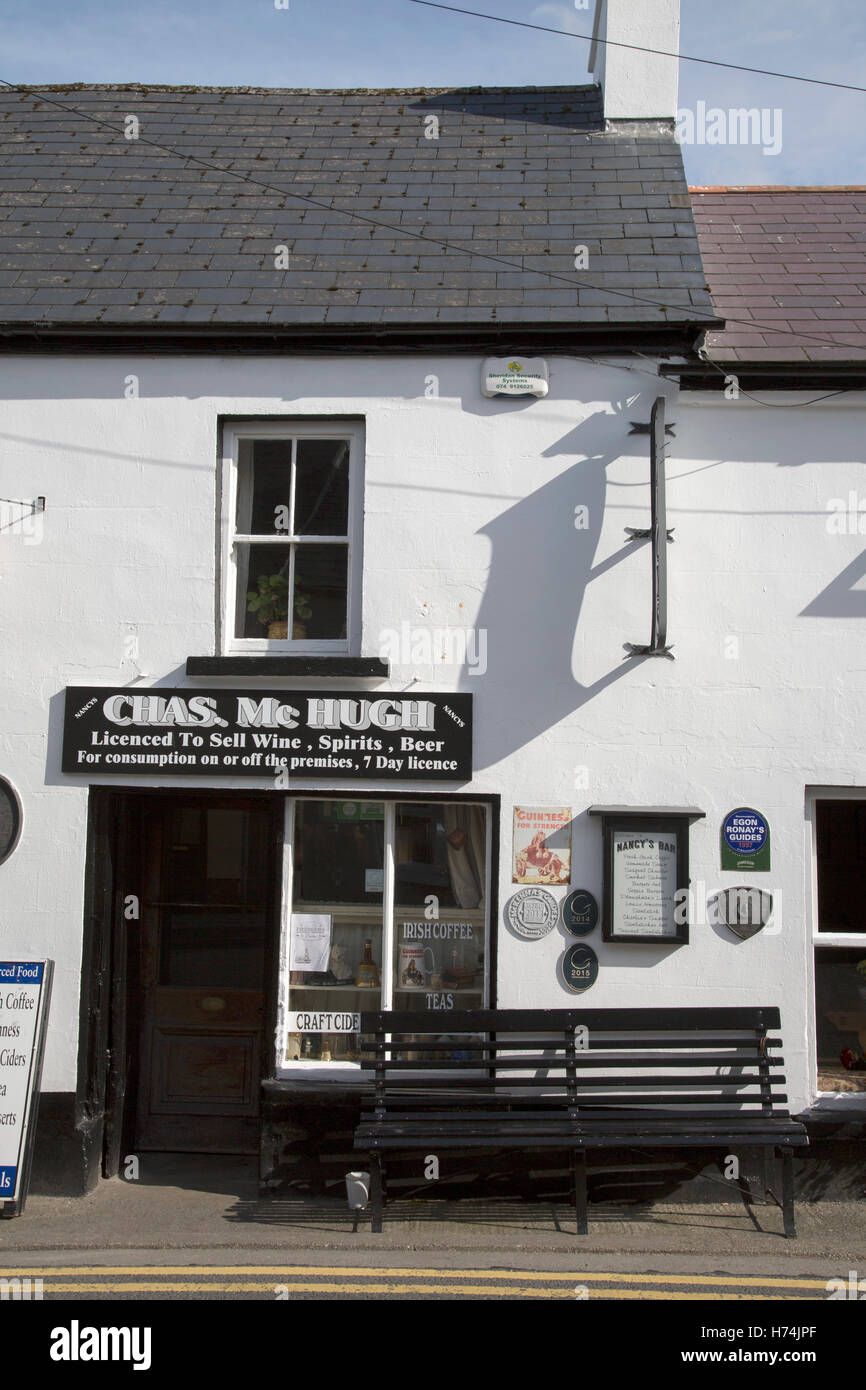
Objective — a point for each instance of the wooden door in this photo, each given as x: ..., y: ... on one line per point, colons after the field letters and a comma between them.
x: 208, y: 902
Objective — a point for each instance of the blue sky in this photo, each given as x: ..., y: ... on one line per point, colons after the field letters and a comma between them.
x: 392, y: 43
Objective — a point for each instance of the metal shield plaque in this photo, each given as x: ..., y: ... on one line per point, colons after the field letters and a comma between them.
x: 744, y: 910
x: 579, y: 968
x: 532, y: 913
x: 580, y: 912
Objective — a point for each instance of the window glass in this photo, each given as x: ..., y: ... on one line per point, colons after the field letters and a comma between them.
x: 322, y: 487
x: 342, y: 961
x: 287, y: 589
x: 264, y: 499
x: 214, y: 904
x: 841, y: 836
x: 264, y: 582
x: 320, y: 591
x: 439, y: 918
x: 840, y: 1008
x: 335, y: 938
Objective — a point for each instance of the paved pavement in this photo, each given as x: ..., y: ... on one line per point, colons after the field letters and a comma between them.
x: 216, y: 1207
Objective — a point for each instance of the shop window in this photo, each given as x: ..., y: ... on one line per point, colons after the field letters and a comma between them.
x: 388, y: 910
x: 840, y: 1007
x: 439, y: 928
x: 841, y: 836
x: 291, y: 537
x: 840, y: 964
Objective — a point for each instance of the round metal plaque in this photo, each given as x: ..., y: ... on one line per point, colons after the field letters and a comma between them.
x: 10, y: 819
x: 532, y: 913
x: 579, y: 912
x: 579, y: 968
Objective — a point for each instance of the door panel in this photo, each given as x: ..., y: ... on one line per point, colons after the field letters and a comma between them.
x: 207, y: 928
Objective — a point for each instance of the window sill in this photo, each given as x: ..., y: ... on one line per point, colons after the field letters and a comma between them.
x: 364, y: 667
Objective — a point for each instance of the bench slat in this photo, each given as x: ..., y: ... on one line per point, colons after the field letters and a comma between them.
x: 582, y: 1059
x: 744, y: 1018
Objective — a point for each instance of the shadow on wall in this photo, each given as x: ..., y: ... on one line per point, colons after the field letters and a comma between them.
x: 841, y: 599
x: 534, y: 617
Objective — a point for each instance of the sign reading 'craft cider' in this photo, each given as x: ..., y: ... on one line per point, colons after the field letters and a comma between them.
x: 262, y: 733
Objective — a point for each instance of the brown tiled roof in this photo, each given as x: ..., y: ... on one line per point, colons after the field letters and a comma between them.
x: 785, y: 258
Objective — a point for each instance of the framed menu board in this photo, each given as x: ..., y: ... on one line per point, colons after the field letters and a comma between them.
x: 646, y: 876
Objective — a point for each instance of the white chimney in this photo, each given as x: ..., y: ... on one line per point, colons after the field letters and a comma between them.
x: 636, y: 86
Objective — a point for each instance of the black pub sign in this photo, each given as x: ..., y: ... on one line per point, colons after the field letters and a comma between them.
x: 307, y: 735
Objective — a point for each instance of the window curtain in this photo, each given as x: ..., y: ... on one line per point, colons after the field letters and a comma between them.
x: 465, y: 838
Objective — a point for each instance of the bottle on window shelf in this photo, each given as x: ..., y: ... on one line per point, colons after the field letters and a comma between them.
x: 368, y: 971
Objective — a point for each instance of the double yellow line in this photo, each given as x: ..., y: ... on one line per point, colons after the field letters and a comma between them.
x: 278, y: 1281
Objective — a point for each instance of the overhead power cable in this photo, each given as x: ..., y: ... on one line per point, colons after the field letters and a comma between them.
x: 688, y: 315
x: 641, y: 48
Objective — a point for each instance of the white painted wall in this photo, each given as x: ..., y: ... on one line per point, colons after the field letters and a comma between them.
x: 469, y: 520
x: 637, y: 85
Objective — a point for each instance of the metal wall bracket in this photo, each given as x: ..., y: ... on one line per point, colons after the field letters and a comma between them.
x: 637, y: 427
x: 636, y: 534
x: 658, y: 534
x: 634, y: 650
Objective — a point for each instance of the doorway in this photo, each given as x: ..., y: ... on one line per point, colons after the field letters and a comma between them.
x: 199, y: 965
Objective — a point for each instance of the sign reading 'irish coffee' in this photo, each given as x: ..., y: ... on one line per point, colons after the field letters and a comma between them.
x: 277, y: 734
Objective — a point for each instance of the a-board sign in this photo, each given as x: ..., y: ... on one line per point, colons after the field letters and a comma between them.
x: 25, y: 989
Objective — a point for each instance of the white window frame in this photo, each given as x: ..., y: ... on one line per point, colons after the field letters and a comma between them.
x: 836, y: 1099
x: 341, y: 1072
x: 292, y: 428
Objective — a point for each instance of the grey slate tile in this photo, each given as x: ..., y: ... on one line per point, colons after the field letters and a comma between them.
x: 518, y: 173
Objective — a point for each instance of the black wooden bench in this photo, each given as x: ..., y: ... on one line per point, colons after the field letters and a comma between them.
x: 576, y: 1080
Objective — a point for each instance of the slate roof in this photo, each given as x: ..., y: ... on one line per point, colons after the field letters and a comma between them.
x: 785, y: 258
x: 97, y: 229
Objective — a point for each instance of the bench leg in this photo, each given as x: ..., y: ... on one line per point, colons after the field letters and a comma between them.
x: 788, y: 1193
x: 376, y: 1191
x: 578, y: 1169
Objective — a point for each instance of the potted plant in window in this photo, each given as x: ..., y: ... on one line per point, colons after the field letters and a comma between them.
x: 269, y: 601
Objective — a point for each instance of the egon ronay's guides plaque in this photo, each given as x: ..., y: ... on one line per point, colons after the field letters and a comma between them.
x: 25, y: 987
